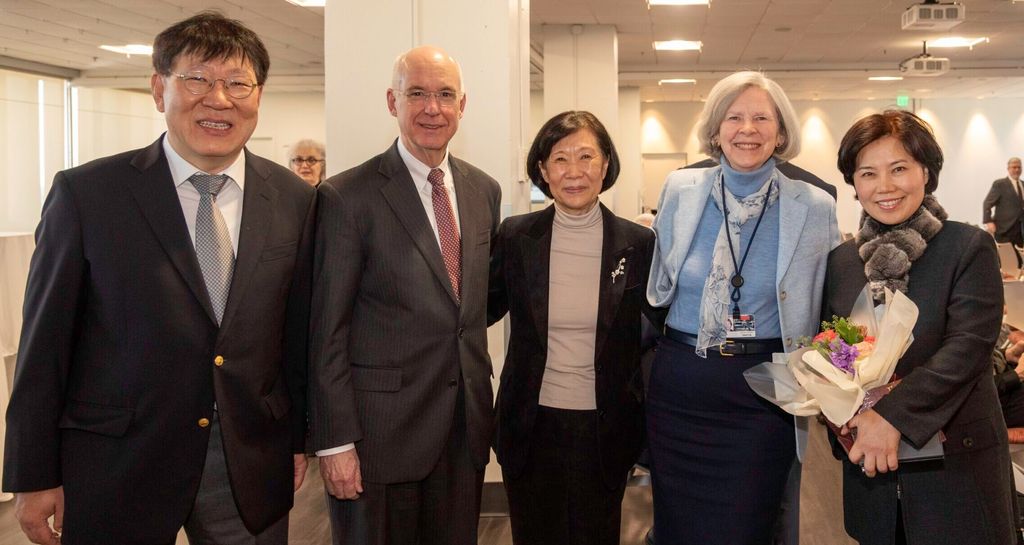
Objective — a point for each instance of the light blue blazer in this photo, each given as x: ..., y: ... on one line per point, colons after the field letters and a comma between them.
x: 807, y: 233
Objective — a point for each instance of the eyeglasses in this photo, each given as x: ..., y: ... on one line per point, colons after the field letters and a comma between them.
x: 418, y: 96
x: 308, y: 161
x: 199, y: 83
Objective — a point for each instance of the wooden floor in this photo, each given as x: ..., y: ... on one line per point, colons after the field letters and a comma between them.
x: 820, y: 509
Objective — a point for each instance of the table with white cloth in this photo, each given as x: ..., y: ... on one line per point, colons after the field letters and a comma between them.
x: 15, y: 254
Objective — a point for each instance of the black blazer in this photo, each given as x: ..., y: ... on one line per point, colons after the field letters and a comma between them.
x: 116, y: 366
x: 1004, y: 207
x: 947, y: 385
x: 390, y: 346
x: 520, y: 264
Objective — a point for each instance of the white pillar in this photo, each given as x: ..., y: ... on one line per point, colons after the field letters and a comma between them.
x: 630, y: 183
x: 491, y: 41
x: 581, y: 72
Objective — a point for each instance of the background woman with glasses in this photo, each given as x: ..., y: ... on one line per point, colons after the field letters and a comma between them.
x: 307, y: 158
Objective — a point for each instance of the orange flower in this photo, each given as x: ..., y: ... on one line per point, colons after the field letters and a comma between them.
x: 826, y: 336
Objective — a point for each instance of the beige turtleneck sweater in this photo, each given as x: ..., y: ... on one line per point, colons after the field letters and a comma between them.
x: 573, y: 287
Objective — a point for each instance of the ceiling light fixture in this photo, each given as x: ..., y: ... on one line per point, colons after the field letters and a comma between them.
x: 678, y: 45
x: 676, y: 80
x: 678, y: 2
x: 129, y: 49
x: 308, y: 3
x: 957, y: 41
x: 885, y: 78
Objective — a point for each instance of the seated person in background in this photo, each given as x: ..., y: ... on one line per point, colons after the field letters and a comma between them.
x: 307, y: 158
x: 1008, y: 374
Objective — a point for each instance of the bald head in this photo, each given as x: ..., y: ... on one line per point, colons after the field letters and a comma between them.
x: 424, y: 56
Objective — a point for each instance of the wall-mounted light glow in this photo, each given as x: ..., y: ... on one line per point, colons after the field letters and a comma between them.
x: 678, y: 45
x: 678, y: 2
x: 957, y: 41
x: 129, y: 49
x: 308, y: 3
x: 885, y: 78
x: 676, y: 80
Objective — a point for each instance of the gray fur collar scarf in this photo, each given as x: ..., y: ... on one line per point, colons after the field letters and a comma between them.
x: 888, y: 251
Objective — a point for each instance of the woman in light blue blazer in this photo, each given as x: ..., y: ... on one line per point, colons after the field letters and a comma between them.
x: 740, y: 263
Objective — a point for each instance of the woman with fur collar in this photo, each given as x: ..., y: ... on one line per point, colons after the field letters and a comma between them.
x: 951, y: 271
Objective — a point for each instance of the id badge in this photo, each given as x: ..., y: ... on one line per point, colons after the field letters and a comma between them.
x: 740, y: 326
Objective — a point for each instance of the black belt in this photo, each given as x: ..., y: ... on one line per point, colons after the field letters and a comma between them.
x: 731, y: 347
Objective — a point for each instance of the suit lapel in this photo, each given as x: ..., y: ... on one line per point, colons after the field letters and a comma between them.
x: 257, y: 212
x: 400, y: 192
x: 154, y: 192
x: 535, y: 245
x: 792, y: 215
x: 616, y: 257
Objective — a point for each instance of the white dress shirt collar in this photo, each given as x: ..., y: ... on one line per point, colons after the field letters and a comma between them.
x: 419, y: 170
x: 181, y: 169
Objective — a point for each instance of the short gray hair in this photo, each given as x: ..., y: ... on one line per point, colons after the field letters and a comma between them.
x: 725, y: 92
x: 307, y: 143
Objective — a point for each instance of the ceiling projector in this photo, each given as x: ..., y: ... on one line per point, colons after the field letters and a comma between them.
x: 924, y: 65
x: 933, y: 16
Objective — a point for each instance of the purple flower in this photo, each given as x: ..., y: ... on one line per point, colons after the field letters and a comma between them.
x: 843, y: 355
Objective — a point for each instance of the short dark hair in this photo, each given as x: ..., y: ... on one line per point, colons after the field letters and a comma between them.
x: 559, y: 127
x: 913, y: 132
x: 210, y: 35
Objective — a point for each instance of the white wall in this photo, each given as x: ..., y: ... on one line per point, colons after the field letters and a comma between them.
x: 286, y: 118
x: 977, y: 136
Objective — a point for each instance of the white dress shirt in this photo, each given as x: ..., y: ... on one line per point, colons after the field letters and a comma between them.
x: 419, y: 172
x: 229, y: 200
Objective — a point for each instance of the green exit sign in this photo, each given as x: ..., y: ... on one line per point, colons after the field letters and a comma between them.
x: 902, y: 101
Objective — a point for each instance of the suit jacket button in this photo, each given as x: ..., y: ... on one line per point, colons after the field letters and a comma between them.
x: 598, y: 368
x: 218, y: 361
x: 203, y: 422
x: 782, y: 296
x: 968, y: 442
x: 461, y: 332
x: 453, y: 383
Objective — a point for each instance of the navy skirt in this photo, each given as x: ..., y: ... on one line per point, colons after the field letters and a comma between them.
x: 720, y: 454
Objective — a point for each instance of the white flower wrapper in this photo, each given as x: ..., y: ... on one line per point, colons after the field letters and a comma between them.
x: 804, y: 382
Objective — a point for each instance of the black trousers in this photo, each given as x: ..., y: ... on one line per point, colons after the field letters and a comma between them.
x: 560, y: 496
x: 442, y: 509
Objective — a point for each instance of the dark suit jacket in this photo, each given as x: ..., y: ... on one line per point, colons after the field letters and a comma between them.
x: 520, y: 264
x: 1004, y: 207
x: 791, y: 171
x: 117, y: 351
x: 947, y: 385
x: 390, y: 345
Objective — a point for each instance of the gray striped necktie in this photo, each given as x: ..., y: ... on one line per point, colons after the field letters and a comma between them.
x: 213, y: 243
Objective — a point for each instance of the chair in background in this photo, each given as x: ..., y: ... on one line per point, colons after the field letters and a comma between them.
x: 1009, y: 259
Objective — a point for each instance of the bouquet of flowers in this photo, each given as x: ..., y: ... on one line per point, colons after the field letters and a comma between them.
x: 851, y: 357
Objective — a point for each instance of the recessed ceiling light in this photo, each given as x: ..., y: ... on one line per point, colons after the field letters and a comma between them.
x: 957, y: 41
x: 129, y: 49
x: 676, y: 80
x: 308, y: 3
x: 885, y: 78
x: 678, y: 45
x: 678, y: 2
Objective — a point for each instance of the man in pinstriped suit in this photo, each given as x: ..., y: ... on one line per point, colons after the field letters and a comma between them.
x: 401, y: 400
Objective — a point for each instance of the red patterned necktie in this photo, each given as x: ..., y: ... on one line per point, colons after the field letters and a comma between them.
x: 451, y: 245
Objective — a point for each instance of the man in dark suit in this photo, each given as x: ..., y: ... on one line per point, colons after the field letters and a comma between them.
x: 165, y: 331
x: 400, y: 391
x: 1003, y: 209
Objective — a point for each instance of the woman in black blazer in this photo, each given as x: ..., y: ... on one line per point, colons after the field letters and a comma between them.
x: 951, y: 271
x: 572, y: 278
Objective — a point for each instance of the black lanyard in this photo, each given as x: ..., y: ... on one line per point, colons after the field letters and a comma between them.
x: 737, y: 277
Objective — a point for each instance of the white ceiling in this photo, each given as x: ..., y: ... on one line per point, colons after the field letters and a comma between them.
x: 817, y: 49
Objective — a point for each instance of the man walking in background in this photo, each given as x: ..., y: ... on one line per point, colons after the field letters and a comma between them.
x: 1004, y: 206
